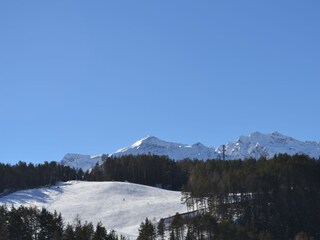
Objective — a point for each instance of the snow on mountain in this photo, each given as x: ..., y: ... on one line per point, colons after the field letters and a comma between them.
x: 176, y: 151
x: 77, y: 161
x: 255, y: 145
x: 258, y: 145
x: 118, y: 205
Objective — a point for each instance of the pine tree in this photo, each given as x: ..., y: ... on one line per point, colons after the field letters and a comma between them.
x: 177, y: 226
x: 161, y: 229
x: 190, y: 235
x: 172, y: 235
x: 84, y: 232
x: 4, y: 234
x: 69, y: 233
x: 100, y: 233
x: 146, y: 231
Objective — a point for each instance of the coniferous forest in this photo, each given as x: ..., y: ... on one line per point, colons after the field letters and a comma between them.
x: 24, y: 176
x: 34, y: 224
x: 278, y: 198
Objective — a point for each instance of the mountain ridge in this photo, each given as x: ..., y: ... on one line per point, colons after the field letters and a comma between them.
x: 255, y: 145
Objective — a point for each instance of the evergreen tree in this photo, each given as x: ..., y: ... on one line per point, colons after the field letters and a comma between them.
x: 4, y: 234
x: 161, y: 229
x: 177, y: 226
x: 69, y: 233
x: 84, y: 232
x: 100, y: 233
x: 146, y: 231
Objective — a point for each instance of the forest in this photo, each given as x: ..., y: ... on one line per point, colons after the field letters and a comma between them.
x: 24, y: 176
x: 27, y: 223
x: 276, y: 198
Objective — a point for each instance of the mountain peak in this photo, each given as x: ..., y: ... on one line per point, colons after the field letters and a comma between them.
x: 255, y: 134
x: 276, y: 133
x: 254, y: 145
x: 176, y: 151
x: 148, y: 140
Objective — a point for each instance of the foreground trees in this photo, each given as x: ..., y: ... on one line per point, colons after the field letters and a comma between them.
x: 147, y: 231
x: 33, y: 224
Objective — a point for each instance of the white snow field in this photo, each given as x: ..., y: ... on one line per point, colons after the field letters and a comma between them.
x: 120, y: 206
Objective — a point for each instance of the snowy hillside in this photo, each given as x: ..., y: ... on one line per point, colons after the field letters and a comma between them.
x: 176, y: 151
x: 119, y: 206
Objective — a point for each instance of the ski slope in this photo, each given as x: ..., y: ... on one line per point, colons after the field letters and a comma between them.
x: 120, y: 206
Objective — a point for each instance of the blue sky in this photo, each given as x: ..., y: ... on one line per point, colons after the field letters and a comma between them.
x: 94, y: 76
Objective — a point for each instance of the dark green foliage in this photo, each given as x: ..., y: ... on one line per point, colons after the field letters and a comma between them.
x: 100, y: 233
x: 51, y: 225
x: 32, y: 224
x: 265, y: 199
x: 161, y: 229
x: 149, y: 170
x: 146, y: 231
x: 69, y: 233
x: 4, y: 233
x: 23, y: 176
x: 177, y: 226
x: 84, y: 231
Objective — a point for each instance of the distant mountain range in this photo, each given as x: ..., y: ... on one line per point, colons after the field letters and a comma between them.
x: 255, y: 145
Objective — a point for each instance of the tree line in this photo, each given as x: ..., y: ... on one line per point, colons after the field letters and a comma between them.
x: 24, y: 176
x: 149, y: 170
x: 28, y: 223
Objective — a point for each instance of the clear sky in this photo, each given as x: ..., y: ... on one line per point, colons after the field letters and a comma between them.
x: 94, y: 76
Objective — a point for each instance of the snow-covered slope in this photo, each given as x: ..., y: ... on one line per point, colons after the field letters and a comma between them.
x: 85, y: 162
x: 119, y: 206
x: 176, y: 151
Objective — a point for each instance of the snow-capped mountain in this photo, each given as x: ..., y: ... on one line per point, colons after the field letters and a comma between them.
x: 85, y: 162
x: 255, y: 145
x: 176, y: 151
x: 258, y: 145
